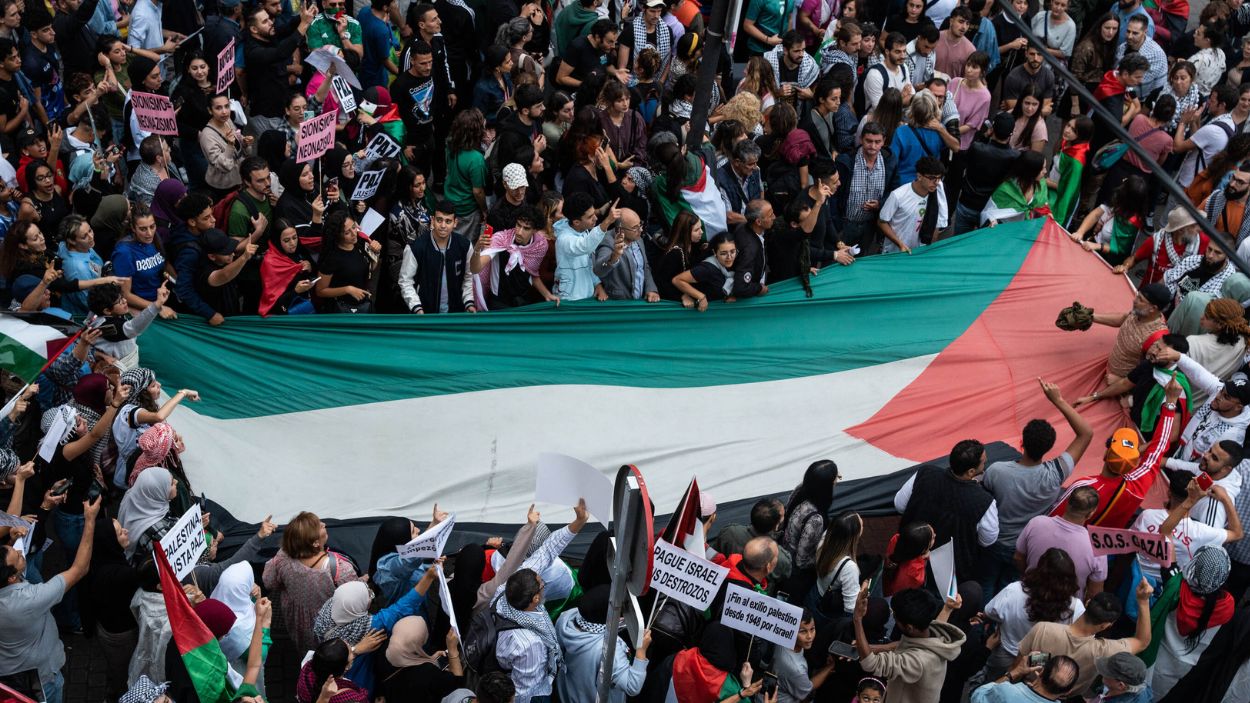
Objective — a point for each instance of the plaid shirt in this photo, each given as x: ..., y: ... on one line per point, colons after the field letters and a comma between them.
x: 866, y: 184
x: 1157, y: 76
x: 1239, y: 551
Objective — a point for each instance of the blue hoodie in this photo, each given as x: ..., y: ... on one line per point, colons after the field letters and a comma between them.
x: 184, y: 249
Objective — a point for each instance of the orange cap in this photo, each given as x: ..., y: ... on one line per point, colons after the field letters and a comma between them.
x: 1122, y: 454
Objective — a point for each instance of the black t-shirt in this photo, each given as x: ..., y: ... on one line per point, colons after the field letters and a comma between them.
x: 223, y: 299
x: 709, y: 280
x: 77, y: 470
x: 627, y: 40
x: 51, y: 212
x: 349, y: 268
x: 787, y: 74
x: 583, y: 57
x: 784, y: 249
x: 10, y: 98
x: 503, y: 215
x: 414, y: 98
x: 1143, y: 380
x: 515, y: 286
x: 902, y: 26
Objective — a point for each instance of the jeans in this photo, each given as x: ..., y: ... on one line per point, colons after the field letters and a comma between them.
x: 998, y: 570
x: 53, y: 688
x: 866, y: 234
x: 69, y: 529
x: 301, y: 306
x: 966, y: 219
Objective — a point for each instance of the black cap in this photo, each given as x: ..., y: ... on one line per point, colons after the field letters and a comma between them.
x: 1158, y: 295
x: 1003, y: 124
x: 214, y: 241
x: 1238, y: 388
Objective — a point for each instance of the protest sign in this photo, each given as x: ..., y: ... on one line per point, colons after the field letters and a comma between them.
x: 225, y: 67
x: 942, y: 560
x: 444, y: 599
x: 428, y: 544
x: 316, y: 136
x: 761, y: 616
x: 1108, y: 540
x: 185, y: 542
x: 380, y: 147
x: 563, y: 480
x: 321, y: 59
x: 681, y: 575
x: 52, y: 438
x: 368, y: 184
x: 371, y: 221
x: 154, y: 113
x: 343, y: 93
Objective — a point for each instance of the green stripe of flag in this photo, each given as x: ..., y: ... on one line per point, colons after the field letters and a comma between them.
x: 880, y: 309
x: 23, y: 346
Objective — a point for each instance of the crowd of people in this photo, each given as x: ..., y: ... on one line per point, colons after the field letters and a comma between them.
x: 490, y: 154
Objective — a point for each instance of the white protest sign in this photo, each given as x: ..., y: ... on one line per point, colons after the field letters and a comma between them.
x: 225, y: 67
x: 47, y: 448
x: 380, y: 147
x: 428, y: 544
x: 185, y: 542
x: 343, y: 93
x: 942, y: 560
x: 371, y: 221
x: 761, y: 616
x: 323, y: 58
x: 8, y: 407
x: 154, y: 113
x: 562, y: 480
x: 368, y: 184
x: 444, y: 599
x: 316, y: 137
x: 685, y: 577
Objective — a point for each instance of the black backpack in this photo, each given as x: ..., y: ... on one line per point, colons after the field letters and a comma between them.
x: 479, y: 645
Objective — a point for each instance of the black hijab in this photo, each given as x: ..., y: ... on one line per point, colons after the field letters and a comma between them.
x: 470, y: 563
x: 596, y: 569
x: 393, y: 532
x: 593, y: 606
x: 295, y: 205
x: 271, y: 146
x: 111, y: 581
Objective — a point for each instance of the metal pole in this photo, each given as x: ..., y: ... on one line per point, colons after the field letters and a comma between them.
x: 616, y: 597
x: 708, y: 70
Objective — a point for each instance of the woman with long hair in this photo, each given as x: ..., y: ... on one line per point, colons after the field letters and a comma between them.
x: 1064, y: 180
x: 622, y: 125
x: 971, y: 96
x: 1046, y: 593
x: 494, y: 89
x: 286, y: 273
x: 832, y: 598
x: 1111, y: 228
x: 1200, y: 606
x: 758, y: 80
x: 25, y: 255
x: 710, y: 279
x: 224, y: 147
x: 557, y: 118
x: 1022, y: 195
x: 1221, y: 347
x: 514, y: 34
x: 465, y: 187
x: 805, y: 521
x: 593, y: 171
x: 305, y: 573
x: 728, y: 132
x: 905, y: 558
x: 191, y: 98
x: 409, y: 219
x: 888, y: 114
x: 1030, y: 129
x: 686, y: 247
x: 1094, y: 55
x: 347, y: 265
x: 42, y: 203
x: 685, y: 182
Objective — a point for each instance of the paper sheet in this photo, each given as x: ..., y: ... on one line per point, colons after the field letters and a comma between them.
x: 942, y: 560
x: 562, y: 480
x: 371, y: 221
x: 47, y: 448
x: 429, y: 544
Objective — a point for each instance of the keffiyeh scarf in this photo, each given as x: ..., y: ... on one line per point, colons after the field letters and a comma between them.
x: 663, y: 39
x: 324, y: 627
x: 539, y: 623
x: 808, y: 71
x: 1215, y: 208
x: 138, y: 379
x: 144, y: 690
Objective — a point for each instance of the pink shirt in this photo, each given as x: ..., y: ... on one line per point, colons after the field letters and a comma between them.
x: 974, y: 108
x: 950, y: 56
x: 1157, y: 143
x: 1044, y: 532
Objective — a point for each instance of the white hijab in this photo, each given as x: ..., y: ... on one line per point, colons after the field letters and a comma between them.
x: 145, y: 504
x: 235, y: 590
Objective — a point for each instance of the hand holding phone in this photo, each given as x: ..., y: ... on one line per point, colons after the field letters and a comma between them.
x: 842, y: 650
x: 1204, y: 481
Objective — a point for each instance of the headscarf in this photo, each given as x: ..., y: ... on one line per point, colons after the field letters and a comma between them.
x: 466, y: 580
x: 145, y: 504
x: 406, y: 646
x: 138, y: 378
x: 538, y: 622
x: 345, y: 615
x: 592, y: 610
x: 106, y: 552
x: 8, y: 464
x: 393, y: 532
x: 1202, y: 593
x: 138, y: 69
x: 700, y: 674
x: 109, y: 220
x: 144, y: 691
x: 155, y: 444
x: 332, y: 167
x: 234, y: 589
x: 271, y: 146
x: 89, y: 393
x: 595, y: 569
x: 81, y: 170
x: 164, y: 200
x: 216, y: 616
x: 719, y: 646
x: 68, y: 413
x: 1208, y: 570
x: 278, y: 269
x: 641, y: 177
x: 295, y: 205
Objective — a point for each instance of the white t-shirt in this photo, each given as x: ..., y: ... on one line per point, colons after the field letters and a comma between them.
x: 904, y: 209
x: 873, y: 83
x: 848, y: 581
x: 1210, y: 139
x: 1188, y: 537
x: 1009, y: 610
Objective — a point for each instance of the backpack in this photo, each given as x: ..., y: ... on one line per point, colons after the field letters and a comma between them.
x: 649, y: 103
x: 860, y: 101
x: 479, y: 644
x: 221, y: 211
x: 1109, y: 154
x: 1202, y: 158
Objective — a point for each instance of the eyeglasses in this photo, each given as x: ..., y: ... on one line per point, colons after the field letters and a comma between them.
x: 635, y: 228
x: 931, y: 179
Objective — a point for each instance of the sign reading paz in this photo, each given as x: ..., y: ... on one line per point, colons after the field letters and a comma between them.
x: 185, y: 542
x: 154, y: 113
x: 760, y: 616
x: 368, y: 184
x: 225, y: 67
x: 1108, y: 540
x: 316, y: 136
x: 343, y: 93
x: 685, y: 577
x: 380, y: 147
x: 428, y: 544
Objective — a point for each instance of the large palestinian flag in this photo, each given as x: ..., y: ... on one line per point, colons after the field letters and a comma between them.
x: 891, y: 362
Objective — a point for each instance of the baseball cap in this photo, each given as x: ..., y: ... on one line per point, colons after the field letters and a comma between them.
x: 1122, y: 452
x: 1003, y: 124
x: 214, y: 241
x: 514, y: 176
x: 1157, y: 293
x: 1238, y: 388
x: 1122, y: 666
x: 654, y: 3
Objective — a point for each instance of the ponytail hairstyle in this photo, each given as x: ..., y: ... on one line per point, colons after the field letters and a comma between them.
x: 913, y: 541
x: 328, y: 659
x: 671, y: 158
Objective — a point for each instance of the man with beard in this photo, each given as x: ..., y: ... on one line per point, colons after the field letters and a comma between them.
x: 1193, y: 283
x: 1146, y: 383
x: 267, y: 63
x: 1226, y: 209
x: 1033, y: 71
x: 1135, y: 39
x: 1178, y: 240
x: 1147, y: 317
x: 1125, y: 9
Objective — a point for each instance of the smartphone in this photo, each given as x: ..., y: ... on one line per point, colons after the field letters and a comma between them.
x: 1204, y: 481
x: 318, y: 278
x: 332, y: 183
x: 107, y: 269
x: 770, y: 684
x: 62, y: 487
x: 94, y: 490
x: 1038, y: 659
x: 841, y: 649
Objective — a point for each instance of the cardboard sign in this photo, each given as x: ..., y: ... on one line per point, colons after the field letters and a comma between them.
x: 225, y: 67
x: 760, y: 616
x: 563, y: 480
x: 343, y: 93
x: 316, y: 137
x: 323, y: 58
x: 380, y: 147
x: 154, y: 113
x: 185, y: 542
x: 428, y: 544
x: 685, y: 577
x: 1108, y: 540
x: 368, y: 184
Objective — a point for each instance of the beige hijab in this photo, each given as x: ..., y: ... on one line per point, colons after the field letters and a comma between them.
x: 407, y: 644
